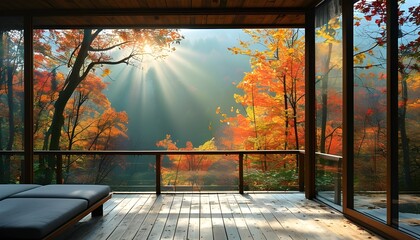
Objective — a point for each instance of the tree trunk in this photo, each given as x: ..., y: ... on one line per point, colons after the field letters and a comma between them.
x: 403, y: 133
x: 286, y: 110
x: 2, y: 77
x: 10, y: 102
x: 72, y: 81
x: 324, y: 101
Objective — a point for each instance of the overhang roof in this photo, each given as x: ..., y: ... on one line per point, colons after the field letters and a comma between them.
x: 160, y: 13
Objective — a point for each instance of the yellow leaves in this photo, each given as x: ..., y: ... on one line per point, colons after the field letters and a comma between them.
x: 238, y: 98
x: 359, y: 58
x: 218, y: 110
x: 413, y: 81
x: 209, y: 145
x: 105, y: 72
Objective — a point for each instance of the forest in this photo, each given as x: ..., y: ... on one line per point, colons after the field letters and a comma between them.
x: 73, y: 112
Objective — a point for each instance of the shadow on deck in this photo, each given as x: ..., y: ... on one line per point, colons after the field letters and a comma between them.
x: 216, y: 216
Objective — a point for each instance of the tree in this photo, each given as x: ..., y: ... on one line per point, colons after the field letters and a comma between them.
x: 329, y: 103
x: 189, y: 169
x: 11, y: 88
x: 273, y: 94
x: 81, y: 54
x: 408, y: 69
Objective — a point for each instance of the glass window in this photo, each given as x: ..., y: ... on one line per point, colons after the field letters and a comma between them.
x: 11, y: 97
x: 328, y: 66
x: 409, y: 114
x: 370, y: 160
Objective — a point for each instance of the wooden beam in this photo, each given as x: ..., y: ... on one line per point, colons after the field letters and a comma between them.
x: 310, y: 136
x: 392, y: 112
x: 28, y: 160
x: 348, y: 105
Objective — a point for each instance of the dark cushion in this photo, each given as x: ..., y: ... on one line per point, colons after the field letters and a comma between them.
x: 34, y: 218
x: 91, y: 193
x: 9, y: 189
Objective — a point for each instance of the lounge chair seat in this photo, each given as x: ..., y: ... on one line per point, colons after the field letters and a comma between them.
x: 7, y: 190
x: 30, y: 211
x: 35, y: 218
x: 91, y: 193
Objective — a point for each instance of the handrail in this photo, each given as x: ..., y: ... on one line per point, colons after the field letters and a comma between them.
x: 330, y: 157
x: 150, y: 152
x: 338, y: 177
x: 158, y: 154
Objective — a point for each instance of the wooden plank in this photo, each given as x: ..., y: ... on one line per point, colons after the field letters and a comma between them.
x: 181, y: 231
x: 312, y: 227
x: 129, y: 217
x: 171, y: 223
x: 139, y: 218
x: 216, y: 218
x: 87, y: 224
x: 110, y: 223
x: 194, y: 221
x: 149, y: 221
x: 257, y: 208
x: 251, y: 221
x: 206, y: 231
x: 239, y: 218
x: 162, y: 217
x: 327, y: 218
x: 228, y: 220
x: 290, y: 223
x: 229, y: 216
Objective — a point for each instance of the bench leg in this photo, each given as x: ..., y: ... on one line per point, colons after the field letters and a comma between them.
x: 98, y: 212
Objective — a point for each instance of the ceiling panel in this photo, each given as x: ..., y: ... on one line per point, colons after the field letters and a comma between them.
x: 160, y: 13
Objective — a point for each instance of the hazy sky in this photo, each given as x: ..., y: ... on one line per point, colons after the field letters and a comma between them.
x: 179, y: 94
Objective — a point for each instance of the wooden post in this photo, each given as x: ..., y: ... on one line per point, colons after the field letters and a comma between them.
x: 158, y: 172
x: 392, y: 120
x: 241, y: 173
x: 301, y: 171
x: 310, y: 136
x: 337, y: 187
x: 28, y: 169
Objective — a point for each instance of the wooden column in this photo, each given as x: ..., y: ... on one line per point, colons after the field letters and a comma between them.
x: 310, y: 137
x: 28, y: 161
x: 348, y: 105
x: 392, y: 112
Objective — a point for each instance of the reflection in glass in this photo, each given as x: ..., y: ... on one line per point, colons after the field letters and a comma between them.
x: 328, y: 66
x: 409, y: 113
x: 369, y: 113
x: 11, y: 97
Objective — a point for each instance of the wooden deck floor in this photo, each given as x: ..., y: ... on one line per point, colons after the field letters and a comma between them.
x: 216, y: 216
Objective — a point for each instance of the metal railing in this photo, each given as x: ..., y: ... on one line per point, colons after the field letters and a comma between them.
x: 159, y: 156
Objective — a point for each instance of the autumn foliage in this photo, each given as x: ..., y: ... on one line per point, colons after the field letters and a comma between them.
x: 271, y: 115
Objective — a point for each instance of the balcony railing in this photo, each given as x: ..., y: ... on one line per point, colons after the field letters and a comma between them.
x: 159, y: 156
x: 335, y: 162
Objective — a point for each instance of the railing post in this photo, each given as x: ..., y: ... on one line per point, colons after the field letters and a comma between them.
x: 158, y: 172
x: 338, y: 179
x: 241, y: 173
x: 59, y: 170
x: 301, y: 171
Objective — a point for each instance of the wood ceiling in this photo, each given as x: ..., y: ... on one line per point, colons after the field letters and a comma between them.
x: 160, y: 13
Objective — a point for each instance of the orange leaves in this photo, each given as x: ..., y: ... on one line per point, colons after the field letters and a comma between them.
x: 105, y: 72
x: 273, y: 87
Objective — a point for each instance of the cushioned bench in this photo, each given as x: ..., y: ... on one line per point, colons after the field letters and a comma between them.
x: 29, y: 211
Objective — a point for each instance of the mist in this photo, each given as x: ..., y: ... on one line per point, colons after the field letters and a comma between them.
x: 178, y: 95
